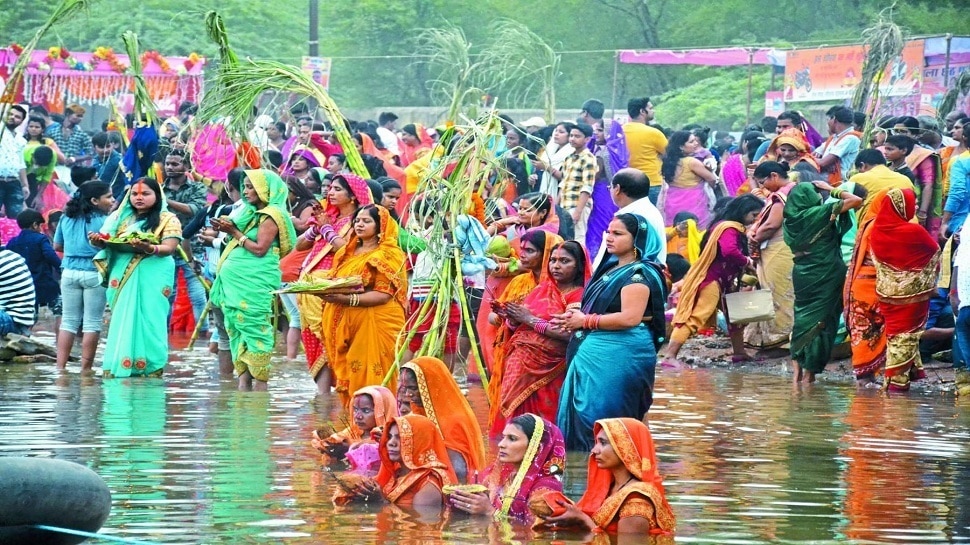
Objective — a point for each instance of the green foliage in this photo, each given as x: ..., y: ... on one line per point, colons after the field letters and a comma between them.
x: 718, y: 101
x: 583, y: 31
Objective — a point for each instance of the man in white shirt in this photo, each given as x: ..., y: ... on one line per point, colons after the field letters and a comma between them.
x: 385, y: 131
x: 630, y: 190
x: 13, y: 169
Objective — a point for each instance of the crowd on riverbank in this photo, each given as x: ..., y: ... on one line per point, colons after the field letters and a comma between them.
x: 593, y: 253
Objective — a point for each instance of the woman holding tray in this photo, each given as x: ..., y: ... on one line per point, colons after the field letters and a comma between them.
x: 249, y: 271
x: 328, y: 233
x: 360, y: 329
x: 139, y: 280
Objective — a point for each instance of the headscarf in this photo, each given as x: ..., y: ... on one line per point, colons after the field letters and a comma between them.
x: 807, y: 219
x: 544, y: 461
x: 796, y: 139
x: 895, y: 241
x: 358, y: 188
x: 422, y: 451
x: 313, y: 158
x: 523, y: 284
x: 387, y: 259
x: 633, y: 444
x: 608, y: 280
x: 448, y: 408
x: 272, y: 190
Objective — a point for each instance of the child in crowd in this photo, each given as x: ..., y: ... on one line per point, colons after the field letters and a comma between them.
x: 41, y: 259
x: 107, y: 163
x: 896, y: 148
x: 684, y: 238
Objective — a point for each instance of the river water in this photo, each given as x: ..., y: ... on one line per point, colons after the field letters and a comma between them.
x: 746, y: 459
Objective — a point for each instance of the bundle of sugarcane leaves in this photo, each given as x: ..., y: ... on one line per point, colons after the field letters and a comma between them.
x: 328, y: 286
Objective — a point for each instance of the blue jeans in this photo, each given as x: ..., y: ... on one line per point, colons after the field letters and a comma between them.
x: 7, y: 325
x: 11, y: 196
x: 962, y: 338
x: 654, y: 194
x: 195, y: 288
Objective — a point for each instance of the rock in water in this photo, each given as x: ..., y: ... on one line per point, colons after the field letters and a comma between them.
x: 40, y: 491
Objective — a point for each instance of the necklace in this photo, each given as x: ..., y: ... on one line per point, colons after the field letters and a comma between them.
x: 624, y: 484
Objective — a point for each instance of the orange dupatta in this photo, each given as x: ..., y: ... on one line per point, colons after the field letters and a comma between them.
x: 633, y: 444
x: 866, y: 325
x: 422, y: 452
x: 445, y: 405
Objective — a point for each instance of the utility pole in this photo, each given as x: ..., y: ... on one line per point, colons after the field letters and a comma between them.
x: 314, y: 41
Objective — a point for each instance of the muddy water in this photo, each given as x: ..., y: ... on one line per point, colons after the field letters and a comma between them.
x: 746, y: 459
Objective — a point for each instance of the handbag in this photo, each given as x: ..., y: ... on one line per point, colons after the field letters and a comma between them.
x: 745, y: 307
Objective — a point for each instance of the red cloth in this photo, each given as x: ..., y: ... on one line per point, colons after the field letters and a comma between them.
x: 183, y: 318
x: 895, y: 241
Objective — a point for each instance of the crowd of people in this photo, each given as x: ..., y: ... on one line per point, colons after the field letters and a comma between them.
x: 595, y: 251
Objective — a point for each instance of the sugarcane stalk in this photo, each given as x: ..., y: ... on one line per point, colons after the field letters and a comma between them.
x: 198, y: 325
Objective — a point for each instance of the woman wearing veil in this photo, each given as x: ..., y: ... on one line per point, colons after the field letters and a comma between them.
x: 612, y: 355
x: 249, y: 271
x: 139, y: 279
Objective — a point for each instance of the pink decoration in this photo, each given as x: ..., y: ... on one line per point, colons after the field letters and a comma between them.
x: 213, y: 153
x: 710, y: 57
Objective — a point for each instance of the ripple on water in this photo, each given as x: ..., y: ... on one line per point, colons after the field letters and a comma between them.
x: 746, y: 459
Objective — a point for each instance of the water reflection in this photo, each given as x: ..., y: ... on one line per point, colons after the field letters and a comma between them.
x: 747, y: 460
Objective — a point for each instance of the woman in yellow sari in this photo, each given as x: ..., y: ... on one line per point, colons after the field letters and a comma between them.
x: 791, y: 147
x: 360, y: 330
x: 249, y: 271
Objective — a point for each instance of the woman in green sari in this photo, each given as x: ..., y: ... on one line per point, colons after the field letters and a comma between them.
x: 813, y: 231
x: 249, y: 271
x: 139, y: 278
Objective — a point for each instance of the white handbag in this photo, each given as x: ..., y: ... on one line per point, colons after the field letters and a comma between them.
x: 745, y: 307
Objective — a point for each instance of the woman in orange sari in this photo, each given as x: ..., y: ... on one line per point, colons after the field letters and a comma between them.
x: 414, y: 465
x: 866, y: 324
x: 791, y: 147
x: 415, y: 142
x: 907, y: 260
x: 530, y: 355
x: 624, y: 489
x: 361, y: 330
x: 428, y: 385
x: 322, y: 239
x: 372, y: 408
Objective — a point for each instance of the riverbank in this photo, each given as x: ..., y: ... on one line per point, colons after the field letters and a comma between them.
x: 714, y: 352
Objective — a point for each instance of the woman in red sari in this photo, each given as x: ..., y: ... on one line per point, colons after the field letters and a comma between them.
x: 327, y: 234
x: 530, y: 359
x: 624, y: 489
x: 866, y: 324
x: 907, y: 261
x: 535, y: 212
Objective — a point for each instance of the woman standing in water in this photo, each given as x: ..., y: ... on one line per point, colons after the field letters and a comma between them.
x: 139, y: 280
x: 530, y: 463
x: 813, y: 231
x: 624, y: 489
x: 612, y: 358
x: 249, y: 271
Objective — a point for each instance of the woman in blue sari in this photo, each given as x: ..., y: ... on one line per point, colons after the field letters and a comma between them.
x: 139, y: 280
x: 612, y: 355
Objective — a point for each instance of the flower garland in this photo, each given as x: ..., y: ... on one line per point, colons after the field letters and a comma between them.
x: 108, y: 55
x: 161, y: 61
